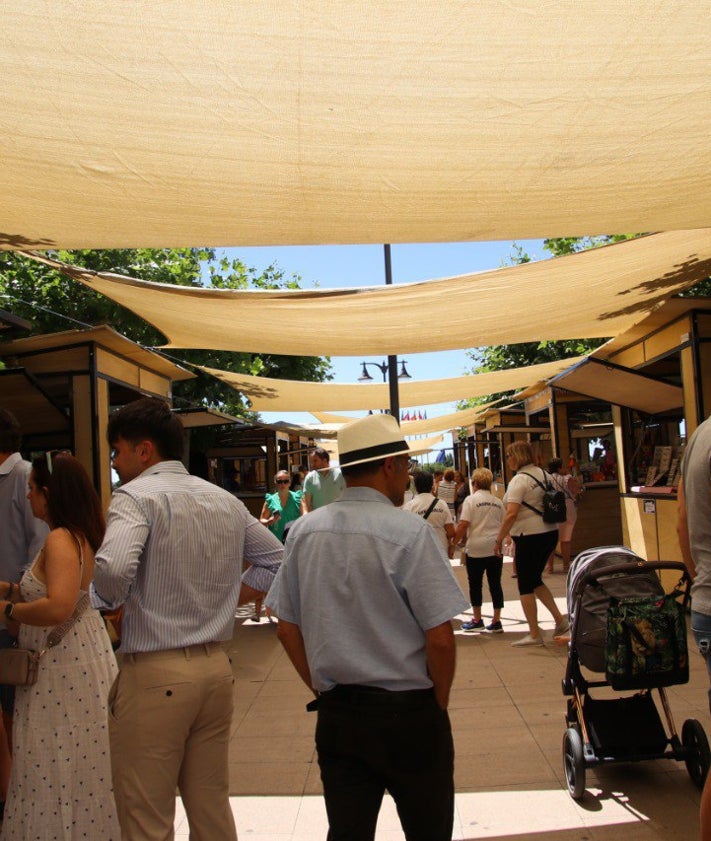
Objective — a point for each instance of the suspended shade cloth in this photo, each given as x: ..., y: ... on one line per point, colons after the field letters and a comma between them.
x: 272, y: 395
x: 593, y: 294
x: 443, y: 423
x: 417, y: 447
x: 247, y: 123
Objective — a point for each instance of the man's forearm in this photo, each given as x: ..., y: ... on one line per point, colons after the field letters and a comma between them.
x: 293, y: 642
x: 682, y: 530
x: 441, y: 660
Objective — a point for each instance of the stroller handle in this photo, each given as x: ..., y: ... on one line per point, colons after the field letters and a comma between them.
x: 641, y: 567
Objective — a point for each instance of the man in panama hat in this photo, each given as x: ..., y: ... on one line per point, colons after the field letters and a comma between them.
x: 364, y: 599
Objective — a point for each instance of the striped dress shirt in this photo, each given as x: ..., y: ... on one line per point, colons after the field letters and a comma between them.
x: 172, y: 555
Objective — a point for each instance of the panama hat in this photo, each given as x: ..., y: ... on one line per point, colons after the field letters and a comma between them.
x: 370, y: 438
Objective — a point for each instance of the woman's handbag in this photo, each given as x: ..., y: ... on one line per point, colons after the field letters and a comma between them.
x: 20, y: 666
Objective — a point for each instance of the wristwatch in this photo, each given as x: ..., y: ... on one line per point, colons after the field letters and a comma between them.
x: 8, y: 610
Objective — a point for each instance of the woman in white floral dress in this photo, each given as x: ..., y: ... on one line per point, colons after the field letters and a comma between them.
x: 60, y: 783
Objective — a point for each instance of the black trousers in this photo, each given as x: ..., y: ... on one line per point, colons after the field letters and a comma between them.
x: 371, y: 740
x: 493, y: 566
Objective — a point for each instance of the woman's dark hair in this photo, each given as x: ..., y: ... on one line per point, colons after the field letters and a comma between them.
x: 554, y: 465
x: 423, y: 482
x: 72, y: 502
x: 148, y: 419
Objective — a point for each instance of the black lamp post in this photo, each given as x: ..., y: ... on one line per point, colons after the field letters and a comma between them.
x: 389, y: 369
x: 384, y: 368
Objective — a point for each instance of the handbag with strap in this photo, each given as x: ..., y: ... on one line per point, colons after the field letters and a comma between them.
x: 20, y: 666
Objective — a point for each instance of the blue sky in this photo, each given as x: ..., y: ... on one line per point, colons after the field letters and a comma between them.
x: 333, y: 266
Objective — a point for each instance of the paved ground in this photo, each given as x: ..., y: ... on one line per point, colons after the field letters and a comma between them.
x: 507, y: 712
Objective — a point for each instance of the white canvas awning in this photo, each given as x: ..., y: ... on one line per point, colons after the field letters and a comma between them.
x: 248, y: 123
x: 593, y: 294
x: 621, y: 386
x: 272, y: 395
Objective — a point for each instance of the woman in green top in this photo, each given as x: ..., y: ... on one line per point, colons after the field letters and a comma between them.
x: 282, y: 507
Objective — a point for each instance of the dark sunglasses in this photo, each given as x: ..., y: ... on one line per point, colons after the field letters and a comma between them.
x: 283, y: 481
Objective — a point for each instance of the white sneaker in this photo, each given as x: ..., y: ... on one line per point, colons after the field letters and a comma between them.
x: 528, y: 640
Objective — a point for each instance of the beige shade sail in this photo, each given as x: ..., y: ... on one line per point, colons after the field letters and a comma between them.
x: 329, y: 417
x: 272, y: 395
x: 418, y: 447
x: 442, y: 423
x: 593, y: 294
x: 248, y: 123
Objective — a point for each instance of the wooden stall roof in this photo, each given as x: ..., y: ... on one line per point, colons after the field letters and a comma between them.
x: 33, y: 407
x: 105, y: 337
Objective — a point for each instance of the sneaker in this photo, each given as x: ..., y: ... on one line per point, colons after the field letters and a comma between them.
x: 472, y: 625
x: 495, y: 628
x: 528, y: 640
x: 562, y: 627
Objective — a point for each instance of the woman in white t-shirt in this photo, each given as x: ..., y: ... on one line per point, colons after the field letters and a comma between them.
x: 534, y: 539
x: 563, y: 481
x: 480, y: 519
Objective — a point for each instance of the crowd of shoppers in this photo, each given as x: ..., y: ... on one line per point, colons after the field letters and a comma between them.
x: 100, y: 752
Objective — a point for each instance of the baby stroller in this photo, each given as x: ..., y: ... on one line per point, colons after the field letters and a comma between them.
x: 608, y: 589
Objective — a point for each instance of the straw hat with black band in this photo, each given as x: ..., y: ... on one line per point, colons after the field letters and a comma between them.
x: 369, y: 439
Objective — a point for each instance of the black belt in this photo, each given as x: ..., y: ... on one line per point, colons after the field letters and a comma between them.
x: 375, y: 696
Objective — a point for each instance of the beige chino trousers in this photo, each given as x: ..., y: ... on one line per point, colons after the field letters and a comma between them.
x: 170, y: 714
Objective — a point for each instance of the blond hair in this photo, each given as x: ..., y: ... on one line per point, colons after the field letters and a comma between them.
x: 520, y: 452
x: 482, y: 477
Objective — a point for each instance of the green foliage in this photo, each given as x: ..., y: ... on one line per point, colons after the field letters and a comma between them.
x: 572, y: 245
x: 54, y: 302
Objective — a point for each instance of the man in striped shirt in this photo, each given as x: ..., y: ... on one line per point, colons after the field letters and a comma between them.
x: 172, y: 556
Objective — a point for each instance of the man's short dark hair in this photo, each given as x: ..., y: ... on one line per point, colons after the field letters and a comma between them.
x: 423, y: 482
x: 10, y: 432
x: 365, y: 468
x: 321, y: 453
x: 148, y: 419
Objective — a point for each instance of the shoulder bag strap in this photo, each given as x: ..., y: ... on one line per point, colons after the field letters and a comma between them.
x: 430, y: 509
x: 55, y: 636
x: 541, y: 485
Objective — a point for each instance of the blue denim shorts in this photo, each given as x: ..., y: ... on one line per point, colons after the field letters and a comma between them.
x: 701, y: 627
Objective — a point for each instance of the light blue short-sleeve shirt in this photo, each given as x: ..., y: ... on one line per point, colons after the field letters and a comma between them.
x: 364, y: 580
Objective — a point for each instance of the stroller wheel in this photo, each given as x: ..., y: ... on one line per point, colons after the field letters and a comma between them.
x: 697, y: 762
x: 574, y: 763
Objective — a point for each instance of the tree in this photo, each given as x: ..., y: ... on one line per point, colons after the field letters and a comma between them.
x: 54, y: 302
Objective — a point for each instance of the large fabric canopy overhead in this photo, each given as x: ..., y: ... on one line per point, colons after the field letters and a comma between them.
x: 272, y: 395
x: 248, y: 123
x: 442, y: 423
x: 418, y: 447
x: 593, y: 294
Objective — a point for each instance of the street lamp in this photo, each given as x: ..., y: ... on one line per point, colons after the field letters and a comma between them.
x: 383, y: 368
x: 389, y: 369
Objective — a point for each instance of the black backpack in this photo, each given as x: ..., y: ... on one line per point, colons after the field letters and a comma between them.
x: 554, y: 508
